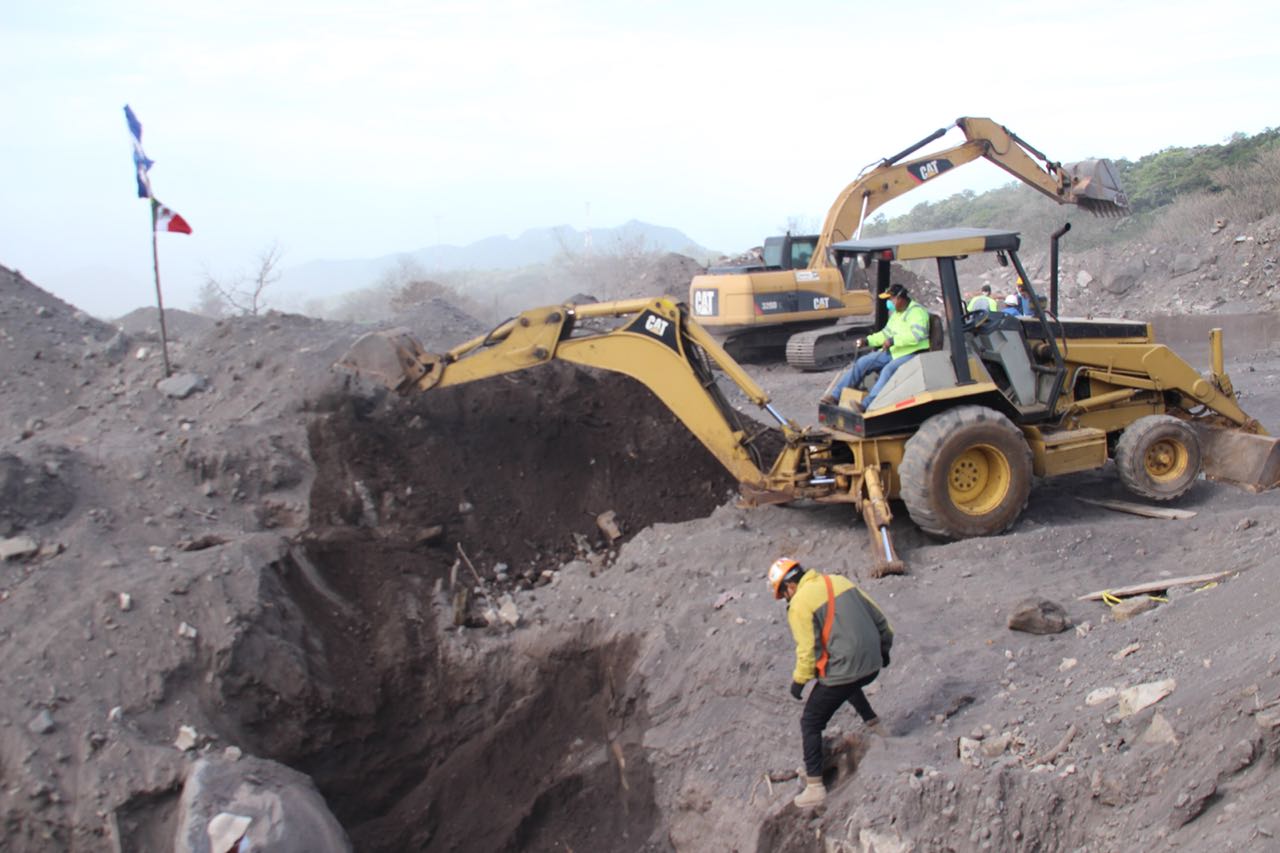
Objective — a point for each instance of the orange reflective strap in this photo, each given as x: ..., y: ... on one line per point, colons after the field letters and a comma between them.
x: 826, y: 626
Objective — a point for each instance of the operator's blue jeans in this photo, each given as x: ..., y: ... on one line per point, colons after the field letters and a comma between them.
x: 878, y: 360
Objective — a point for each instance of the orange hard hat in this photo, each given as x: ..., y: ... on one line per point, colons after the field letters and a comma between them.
x: 783, y: 570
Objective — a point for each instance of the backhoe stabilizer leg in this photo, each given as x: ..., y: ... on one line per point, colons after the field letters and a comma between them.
x: 876, y: 514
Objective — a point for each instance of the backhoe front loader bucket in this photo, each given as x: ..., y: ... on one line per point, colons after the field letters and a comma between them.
x: 1095, y: 186
x: 393, y: 358
x: 1242, y: 459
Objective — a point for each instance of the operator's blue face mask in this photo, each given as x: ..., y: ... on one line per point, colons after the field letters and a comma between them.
x: 891, y: 306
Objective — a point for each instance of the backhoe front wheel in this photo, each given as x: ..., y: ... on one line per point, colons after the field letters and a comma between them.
x: 1158, y: 457
x: 966, y: 472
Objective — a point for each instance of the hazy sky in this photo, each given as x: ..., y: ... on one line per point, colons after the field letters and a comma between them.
x: 347, y: 130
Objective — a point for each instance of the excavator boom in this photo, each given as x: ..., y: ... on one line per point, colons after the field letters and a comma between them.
x: 1090, y: 184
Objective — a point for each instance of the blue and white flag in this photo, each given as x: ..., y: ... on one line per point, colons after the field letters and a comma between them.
x: 140, y: 161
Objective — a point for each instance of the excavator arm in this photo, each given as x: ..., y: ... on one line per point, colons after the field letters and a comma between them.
x: 656, y: 344
x: 1090, y: 184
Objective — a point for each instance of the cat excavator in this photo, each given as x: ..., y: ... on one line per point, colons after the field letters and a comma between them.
x: 793, y: 298
x: 958, y: 433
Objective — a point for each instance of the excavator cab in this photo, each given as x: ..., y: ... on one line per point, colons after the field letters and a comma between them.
x: 790, y: 251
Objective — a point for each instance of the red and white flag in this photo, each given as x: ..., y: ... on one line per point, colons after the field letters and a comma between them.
x: 169, y: 220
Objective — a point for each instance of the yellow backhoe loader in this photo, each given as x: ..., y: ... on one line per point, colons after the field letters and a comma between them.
x: 957, y: 434
x: 792, y: 300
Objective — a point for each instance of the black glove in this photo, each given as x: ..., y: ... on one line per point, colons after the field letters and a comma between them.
x: 796, y: 689
x: 884, y: 658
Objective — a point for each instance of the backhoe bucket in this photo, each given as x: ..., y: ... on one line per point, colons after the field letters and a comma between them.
x: 1242, y: 459
x: 393, y: 358
x: 1095, y: 186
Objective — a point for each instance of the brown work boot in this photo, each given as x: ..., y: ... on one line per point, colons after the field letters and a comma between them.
x: 813, y: 795
x: 827, y: 399
x: 874, y: 726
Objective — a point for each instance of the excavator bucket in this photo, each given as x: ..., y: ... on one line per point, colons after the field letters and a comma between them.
x: 1242, y: 459
x: 393, y: 358
x: 1095, y: 186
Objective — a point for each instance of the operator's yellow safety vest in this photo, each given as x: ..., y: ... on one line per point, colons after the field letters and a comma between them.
x: 908, y: 329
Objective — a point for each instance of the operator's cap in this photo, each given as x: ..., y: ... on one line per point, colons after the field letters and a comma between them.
x: 895, y: 290
x: 1011, y: 299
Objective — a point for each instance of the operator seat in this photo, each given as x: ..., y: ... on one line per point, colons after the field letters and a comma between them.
x: 936, y: 337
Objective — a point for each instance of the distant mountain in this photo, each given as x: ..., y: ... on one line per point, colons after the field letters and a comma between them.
x: 328, y: 278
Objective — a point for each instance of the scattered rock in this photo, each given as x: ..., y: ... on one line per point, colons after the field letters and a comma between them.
x: 182, y: 385
x: 1183, y: 264
x: 186, y: 630
x: 1159, y: 733
x: 994, y: 747
x: 125, y: 601
x: 1126, y: 277
x: 1131, y: 607
x: 1126, y: 651
x: 18, y: 547
x: 1192, y: 802
x: 226, y: 832
x: 187, y: 738
x: 1100, y: 695
x: 42, y: 723
x: 724, y: 598
x: 608, y: 525
x: 1134, y: 699
x: 507, y: 612
x: 1067, y: 664
x: 1039, y: 616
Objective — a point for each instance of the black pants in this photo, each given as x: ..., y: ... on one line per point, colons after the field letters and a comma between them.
x: 823, y: 702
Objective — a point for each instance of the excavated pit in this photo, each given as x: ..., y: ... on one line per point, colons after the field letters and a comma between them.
x: 422, y: 735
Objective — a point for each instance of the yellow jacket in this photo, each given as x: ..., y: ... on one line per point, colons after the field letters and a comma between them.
x: 908, y: 329
x: 858, y: 632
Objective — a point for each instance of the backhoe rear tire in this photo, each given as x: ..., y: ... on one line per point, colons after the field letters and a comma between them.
x: 1158, y: 457
x: 966, y: 472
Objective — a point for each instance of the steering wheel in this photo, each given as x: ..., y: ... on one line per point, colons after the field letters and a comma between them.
x: 976, y: 319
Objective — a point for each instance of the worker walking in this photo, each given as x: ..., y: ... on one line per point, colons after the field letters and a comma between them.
x: 905, y: 334
x: 843, y: 640
x: 984, y: 301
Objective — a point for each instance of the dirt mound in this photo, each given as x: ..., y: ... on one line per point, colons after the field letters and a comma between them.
x: 515, y: 469
x: 144, y: 324
x: 49, y: 352
x: 669, y: 275
x: 440, y: 324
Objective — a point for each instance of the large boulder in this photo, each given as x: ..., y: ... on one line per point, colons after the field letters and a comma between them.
x: 1126, y: 276
x: 277, y: 809
x: 1039, y: 616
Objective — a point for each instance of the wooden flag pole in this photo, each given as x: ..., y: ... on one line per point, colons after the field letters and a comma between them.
x: 155, y: 264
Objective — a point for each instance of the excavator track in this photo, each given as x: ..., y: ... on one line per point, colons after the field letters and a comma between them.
x: 823, y: 349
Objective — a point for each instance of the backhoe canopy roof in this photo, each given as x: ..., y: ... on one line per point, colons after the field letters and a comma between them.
x: 939, y: 243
